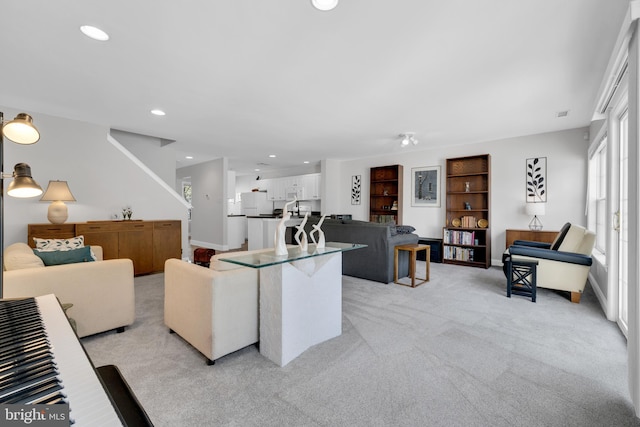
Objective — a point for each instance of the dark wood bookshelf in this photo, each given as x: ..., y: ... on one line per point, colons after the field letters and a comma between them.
x: 385, y: 194
x: 467, y: 232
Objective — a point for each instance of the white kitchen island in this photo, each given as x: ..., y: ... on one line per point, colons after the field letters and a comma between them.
x: 261, y: 231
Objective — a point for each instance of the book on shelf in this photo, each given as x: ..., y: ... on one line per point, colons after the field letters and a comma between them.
x: 458, y: 237
x: 458, y: 254
x: 469, y: 221
x: 384, y: 219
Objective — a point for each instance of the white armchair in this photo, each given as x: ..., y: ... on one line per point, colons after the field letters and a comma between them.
x: 562, y: 265
x: 214, y: 309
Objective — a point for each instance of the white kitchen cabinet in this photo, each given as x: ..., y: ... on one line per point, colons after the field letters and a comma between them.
x: 276, y: 190
x: 304, y: 187
x: 311, y: 184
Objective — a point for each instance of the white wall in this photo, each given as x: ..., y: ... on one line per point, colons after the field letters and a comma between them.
x: 566, y: 153
x: 209, y: 201
x: 152, y: 151
x: 102, y: 178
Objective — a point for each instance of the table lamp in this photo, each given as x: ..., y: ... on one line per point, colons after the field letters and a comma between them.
x: 57, y: 193
x: 535, y: 209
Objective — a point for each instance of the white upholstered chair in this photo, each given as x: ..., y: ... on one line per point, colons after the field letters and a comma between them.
x: 562, y: 265
x: 214, y: 309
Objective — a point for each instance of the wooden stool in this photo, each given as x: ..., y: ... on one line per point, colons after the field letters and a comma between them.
x: 413, y: 250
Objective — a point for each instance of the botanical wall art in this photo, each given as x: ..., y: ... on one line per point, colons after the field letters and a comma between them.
x: 425, y: 186
x: 356, y: 189
x: 536, y: 180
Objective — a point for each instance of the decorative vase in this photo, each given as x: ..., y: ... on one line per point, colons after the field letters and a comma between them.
x: 301, y: 236
x: 316, y: 228
x: 280, y: 244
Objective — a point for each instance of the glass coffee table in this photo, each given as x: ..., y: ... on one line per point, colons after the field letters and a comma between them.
x: 300, y: 297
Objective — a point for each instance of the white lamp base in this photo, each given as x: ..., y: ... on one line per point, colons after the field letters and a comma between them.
x: 58, y: 212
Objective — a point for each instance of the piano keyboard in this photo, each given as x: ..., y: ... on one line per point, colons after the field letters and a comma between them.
x: 43, y: 362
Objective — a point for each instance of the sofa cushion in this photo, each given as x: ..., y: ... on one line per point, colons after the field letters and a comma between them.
x: 18, y: 256
x: 71, y: 256
x: 59, y: 244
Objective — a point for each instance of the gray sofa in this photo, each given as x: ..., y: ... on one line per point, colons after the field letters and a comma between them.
x: 375, y: 262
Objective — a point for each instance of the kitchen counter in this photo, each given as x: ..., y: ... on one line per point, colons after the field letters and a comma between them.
x: 261, y: 230
x: 236, y: 231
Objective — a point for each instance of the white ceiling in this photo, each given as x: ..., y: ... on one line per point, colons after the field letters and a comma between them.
x: 249, y: 78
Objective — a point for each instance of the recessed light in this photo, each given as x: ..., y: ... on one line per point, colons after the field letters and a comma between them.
x: 189, y: 157
x: 306, y: 162
x: 272, y: 155
x: 324, y: 5
x: 157, y: 112
x: 257, y: 170
x: 94, y: 33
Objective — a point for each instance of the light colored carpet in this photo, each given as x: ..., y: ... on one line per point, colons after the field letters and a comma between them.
x: 452, y: 352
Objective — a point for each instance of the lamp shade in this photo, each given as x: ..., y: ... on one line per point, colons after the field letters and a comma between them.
x: 57, y: 193
x: 57, y: 190
x: 23, y: 185
x: 536, y: 209
x: 21, y: 130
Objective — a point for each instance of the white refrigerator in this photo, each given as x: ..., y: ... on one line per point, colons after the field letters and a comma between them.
x: 255, y: 203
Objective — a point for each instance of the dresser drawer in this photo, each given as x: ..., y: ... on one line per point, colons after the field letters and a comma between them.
x: 50, y: 231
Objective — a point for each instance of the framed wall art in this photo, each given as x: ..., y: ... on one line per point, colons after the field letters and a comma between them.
x: 356, y: 189
x: 425, y: 186
x: 536, y: 180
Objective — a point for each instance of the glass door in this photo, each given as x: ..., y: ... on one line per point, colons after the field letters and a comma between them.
x: 621, y: 224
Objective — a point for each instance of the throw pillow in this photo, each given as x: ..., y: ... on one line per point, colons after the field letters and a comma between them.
x: 19, y: 255
x: 405, y: 229
x: 45, y: 245
x: 65, y: 257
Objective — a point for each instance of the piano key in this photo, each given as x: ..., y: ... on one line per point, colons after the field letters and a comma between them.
x: 24, y: 388
x: 42, y: 361
x: 87, y: 398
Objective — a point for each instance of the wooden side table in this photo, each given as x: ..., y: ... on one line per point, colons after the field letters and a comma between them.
x: 413, y: 250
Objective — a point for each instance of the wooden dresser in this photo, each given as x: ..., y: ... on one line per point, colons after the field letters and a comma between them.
x: 147, y: 243
x: 531, y: 235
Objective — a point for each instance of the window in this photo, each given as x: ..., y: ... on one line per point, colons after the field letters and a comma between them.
x: 186, y: 191
x: 598, y: 195
x: 186, y: 194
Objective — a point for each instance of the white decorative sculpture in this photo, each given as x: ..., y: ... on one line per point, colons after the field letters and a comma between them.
x: 316, y: 227
x: 302, y: 241
x: 279, y: 240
